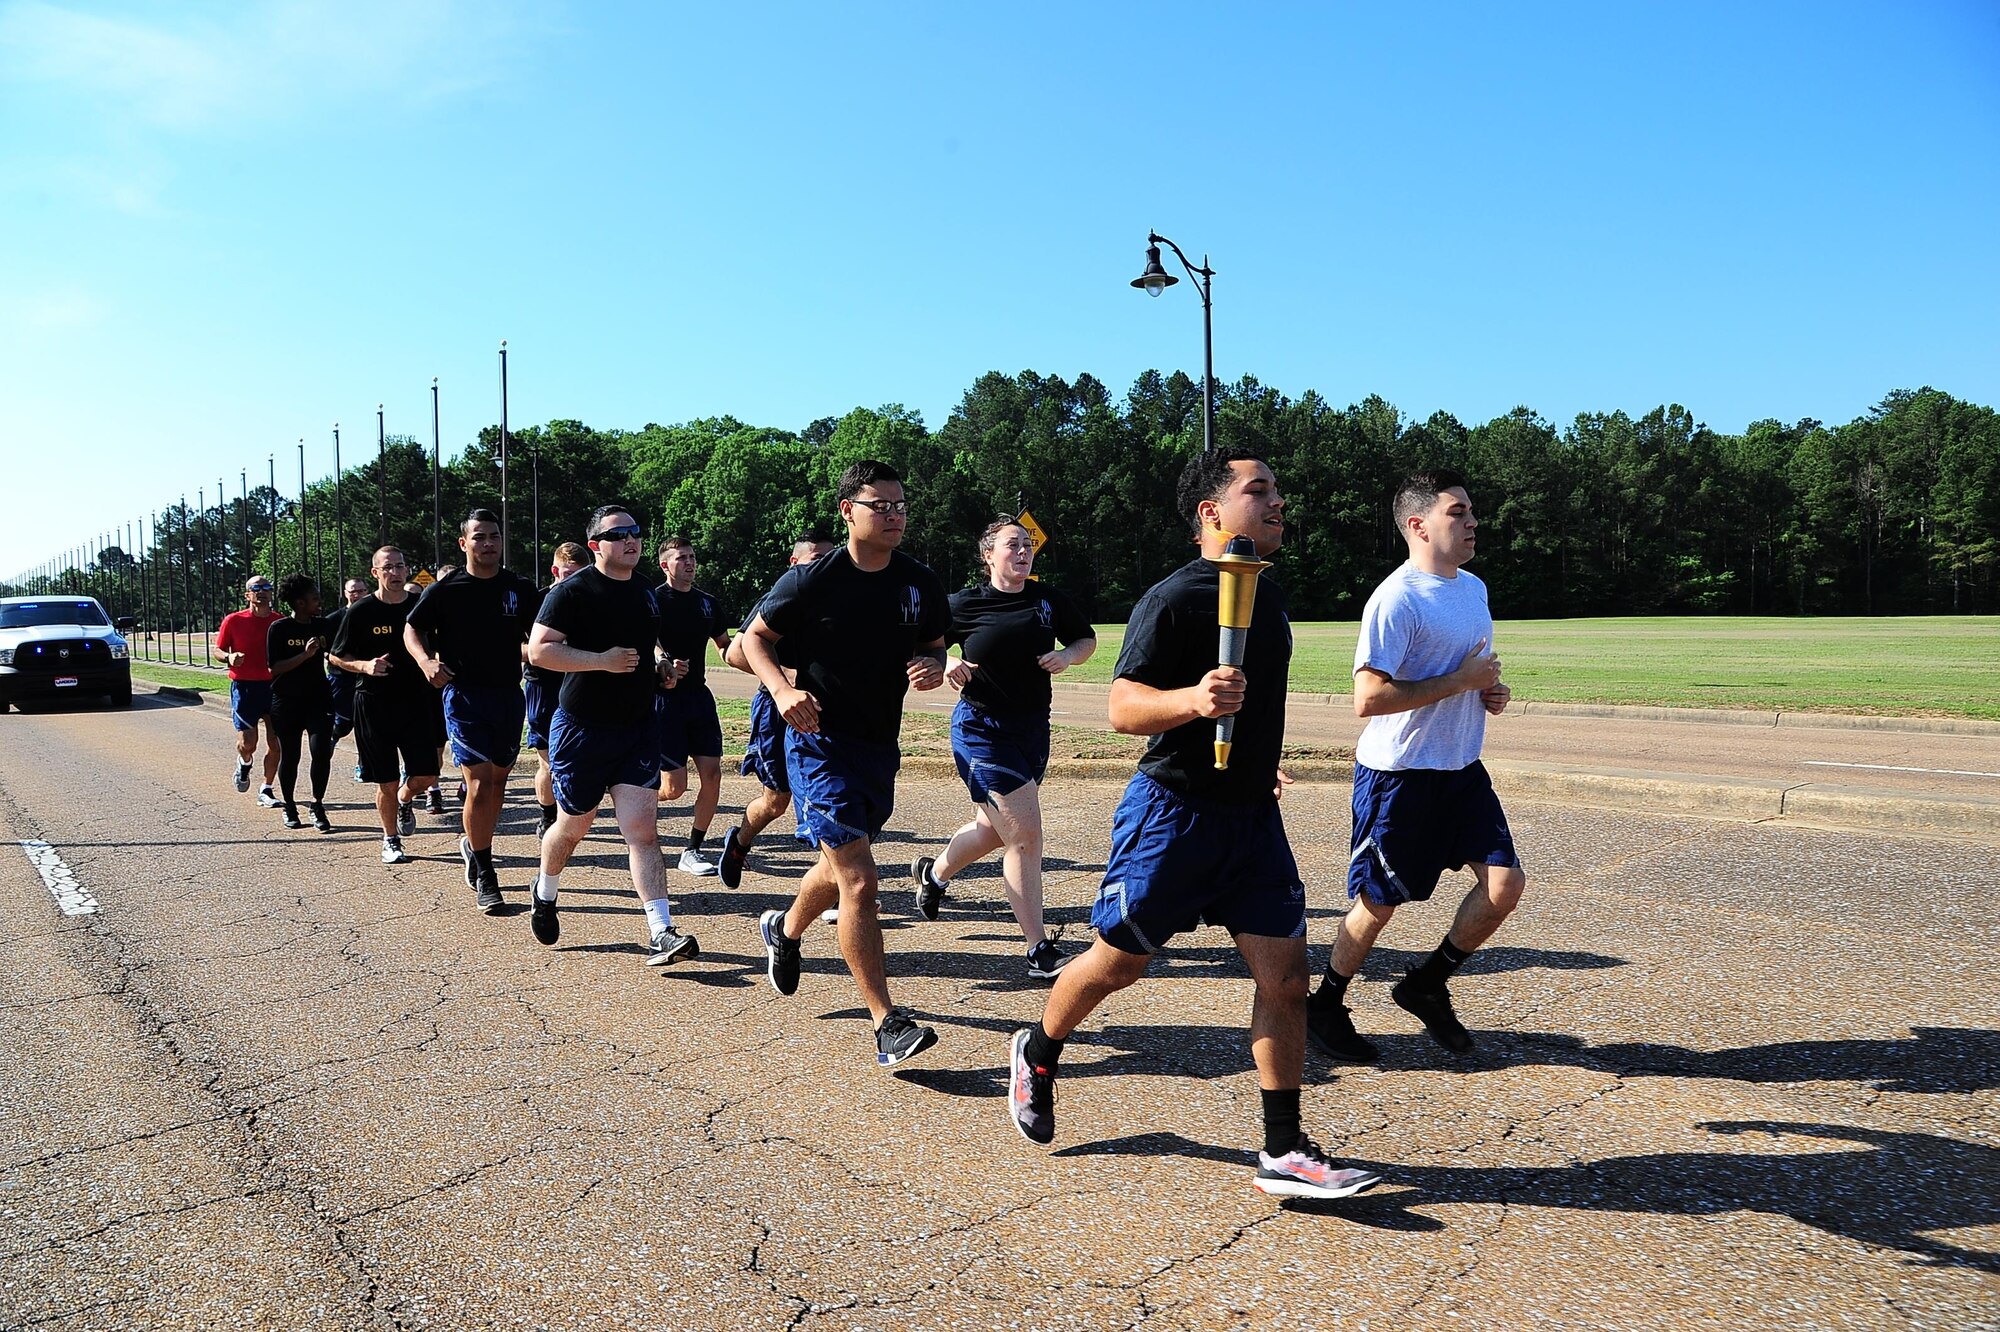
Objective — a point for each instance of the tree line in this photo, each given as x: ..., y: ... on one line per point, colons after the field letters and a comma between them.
x: 1895, y: 512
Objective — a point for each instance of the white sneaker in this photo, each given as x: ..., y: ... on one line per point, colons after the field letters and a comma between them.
x: 694, y: 862
x: 830, y: 916
x: 268, y: 798
x: 393, y: 853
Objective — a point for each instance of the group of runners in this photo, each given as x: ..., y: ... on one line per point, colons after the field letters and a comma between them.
x: 606, y: 677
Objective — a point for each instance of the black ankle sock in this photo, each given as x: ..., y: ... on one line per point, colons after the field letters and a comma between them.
x: 483, y: 857
x: 1043, y: 1050
x: 1333, y: 990
x: 548, y: 813
x: 1436, y: 969
x: 1281, y: 1121
x: 696, y: 836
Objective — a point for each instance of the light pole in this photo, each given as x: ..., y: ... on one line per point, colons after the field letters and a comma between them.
x: 437, y: 514
x: 339, y: 518
x: 305, y: 560
x: 1156, y: 280
x: 503, y: 451
x: 382, y: 477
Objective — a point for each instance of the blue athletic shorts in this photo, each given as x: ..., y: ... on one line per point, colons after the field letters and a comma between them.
x: 249, y: 703
x: 764, y: 753
x: 539, y: 698
x: 688, y: 725
x: 1412, y: 826
x: 392, y: 736
x: 484, y: 723
x: 997, y: 755
x: 1177, y: 862
x: 586, y: 761
x: 842, y: 790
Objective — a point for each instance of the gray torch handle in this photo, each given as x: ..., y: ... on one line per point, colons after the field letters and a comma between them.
x: 1229, y: 652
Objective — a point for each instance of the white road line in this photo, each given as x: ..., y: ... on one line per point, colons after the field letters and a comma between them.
x: 1890, y: 767
x: 71, y: 896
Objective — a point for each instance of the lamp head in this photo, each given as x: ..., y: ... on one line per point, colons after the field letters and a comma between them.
x: 1155, y: 279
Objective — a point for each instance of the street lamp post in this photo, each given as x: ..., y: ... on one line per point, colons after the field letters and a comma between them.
x: 382, y: 477
x: 339, y: 518
x: 305, y: 560
x: 503, y: 450
x: 1156, y: 280
x: 437, y: 514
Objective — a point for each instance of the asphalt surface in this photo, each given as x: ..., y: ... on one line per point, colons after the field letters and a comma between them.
x: 1730, y: 1074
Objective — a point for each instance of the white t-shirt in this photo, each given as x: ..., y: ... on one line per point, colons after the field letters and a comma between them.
x: 1417, y: 626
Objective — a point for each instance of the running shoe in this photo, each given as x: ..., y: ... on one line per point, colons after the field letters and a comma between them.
x: 458, y: 791
x: 434, y: 802
x: 695, y: 863
x: 781, y: 955
x: 901, y: 1037
x: 471, y: 862
x: 1432, y: 1007
x: 670, y: 946
x: 730, y: 865
x: 358, y: 779
x: 393, y: 853
x: 1307, y: 1172
x: 320, y: 820
x: 490, y: 900
x: 242, y: 776
x: 542, y: 915
x: 292, y: 819
x: 548, y: 817
x: 830, y: 916
x: 1045, y: 960
x: 1331, y: 1031
x: 269, y: 799
x: 930, y: 893
x: 406, y: 819
x: 1031, y: 1093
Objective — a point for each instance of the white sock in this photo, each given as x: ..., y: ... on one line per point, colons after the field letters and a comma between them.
x: 546, y: 887
x: 659, y: 914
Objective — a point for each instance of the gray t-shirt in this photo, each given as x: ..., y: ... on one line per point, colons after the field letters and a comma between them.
x: 1417, y: 626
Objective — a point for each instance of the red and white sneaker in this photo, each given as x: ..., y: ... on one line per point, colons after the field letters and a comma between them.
x: 1307, y: 1172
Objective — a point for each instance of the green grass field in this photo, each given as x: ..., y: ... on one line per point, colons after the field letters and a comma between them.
x: 1934, y: 666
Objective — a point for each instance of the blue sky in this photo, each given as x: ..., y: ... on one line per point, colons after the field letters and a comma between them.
x: 226, y: 226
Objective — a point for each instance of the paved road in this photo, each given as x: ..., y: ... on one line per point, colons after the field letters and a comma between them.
x: 1730, y: 1075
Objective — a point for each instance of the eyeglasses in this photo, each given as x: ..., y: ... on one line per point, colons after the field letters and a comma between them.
x: 884, y: 506
x: 632, y: 533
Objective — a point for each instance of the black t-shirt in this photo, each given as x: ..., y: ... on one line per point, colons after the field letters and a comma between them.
x: 594, y: 613
x: 1170, y: 643
x: 477, y: 625
x: 1005, y: 634
x: 689, y: 622
x: 305, y: 685
x: 332, y: 619
x: 372, y: 628
x: 856, y: 633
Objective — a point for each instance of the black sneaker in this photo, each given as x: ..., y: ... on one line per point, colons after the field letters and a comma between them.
x: 900, y: 1037
x: 930, y: 893
x: 1045, y: 960
x: 781, y: 955
x: 542, y: 916
x: 320, y: 820
x: 490, y: 900
x: 434, y: 802
x: 1432, y: 1007
x: 406, y: 819
x: 1031, y: 1093
x: 292, y: 819
x: 242, y: 776
x: 1330, y: 1030
x: 730, y: 866
x: 671, y: 946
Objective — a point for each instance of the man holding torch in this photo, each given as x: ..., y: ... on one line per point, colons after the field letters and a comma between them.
x: 1196, y: 841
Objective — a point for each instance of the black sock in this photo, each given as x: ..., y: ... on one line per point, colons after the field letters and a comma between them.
x: 483, y: 857
x: 1281, y: 1121
x: 1333, y: 989
x: 737, y: 840
x: 548, y: 813
x: 1436, y: 969
x: 696, y: 836
x: 1043, y: 1050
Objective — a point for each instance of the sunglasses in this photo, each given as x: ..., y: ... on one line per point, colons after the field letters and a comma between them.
x: 632, y: 533
x: 260, y: 587
x: 884, y: 506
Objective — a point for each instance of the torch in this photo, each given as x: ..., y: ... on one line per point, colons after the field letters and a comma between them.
x: 1236, y: 571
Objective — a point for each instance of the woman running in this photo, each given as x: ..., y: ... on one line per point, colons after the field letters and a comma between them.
x: 1007, y: 629
x: 301, y: 698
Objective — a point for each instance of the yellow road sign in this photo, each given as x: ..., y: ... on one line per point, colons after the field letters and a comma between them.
x: 1035, y: 532
x: 423, y: 578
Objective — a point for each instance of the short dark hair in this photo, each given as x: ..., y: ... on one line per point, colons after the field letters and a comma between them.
x: 1420, y: 490
x: 599, y: 514
x: 861, y: 474
x: 813, y: 536
x: 673, y: 542
x: 478, y: 516
x: 1205, y: 477
x: 295, y: 588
